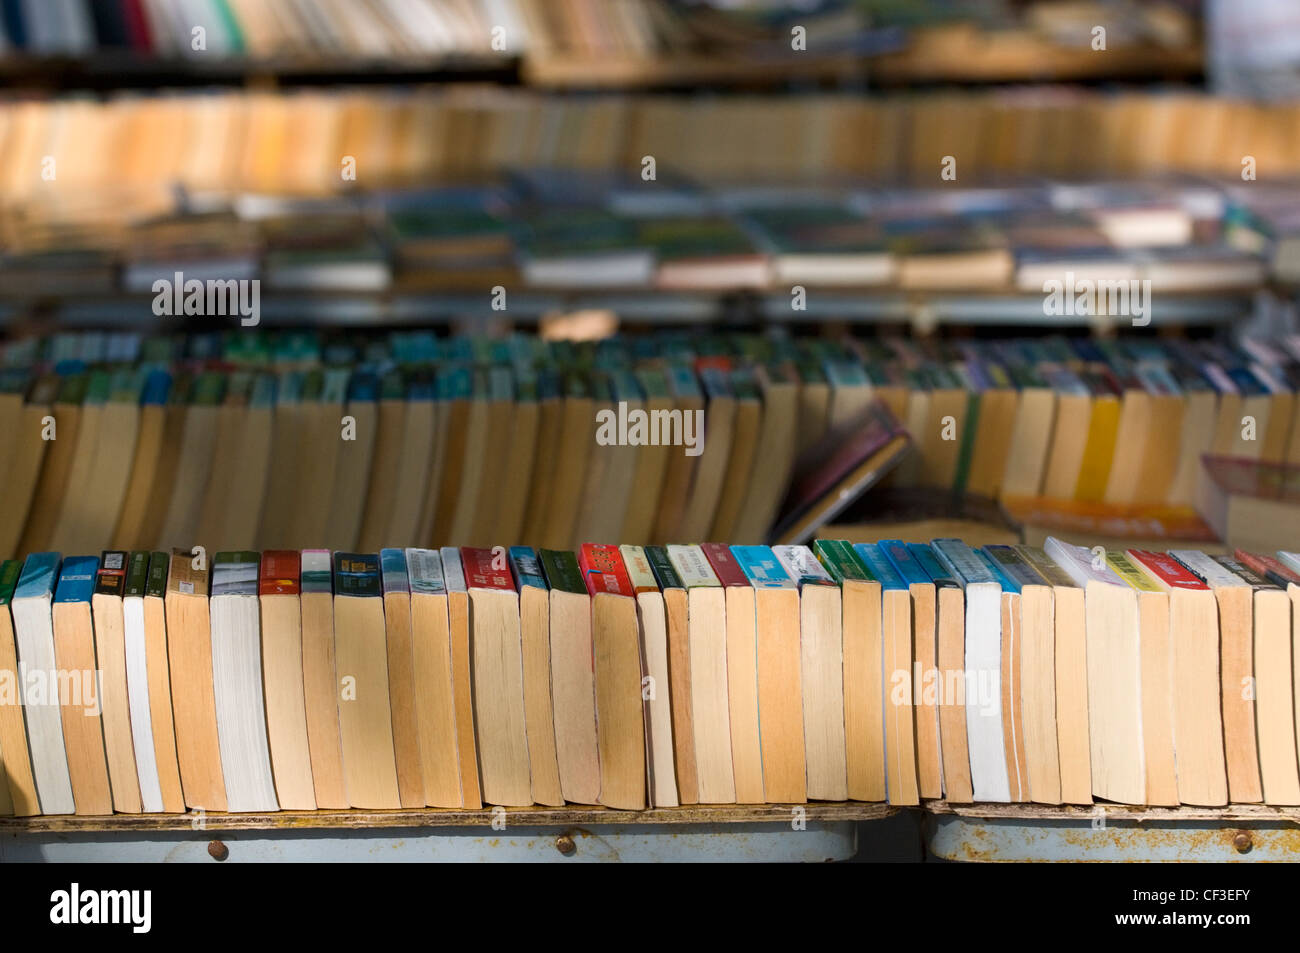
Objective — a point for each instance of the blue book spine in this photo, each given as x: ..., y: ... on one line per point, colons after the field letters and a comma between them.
x: 900, y: 556
x: 966, y: 567
x: 762, y: 568
x: 40, y: 572
x: 880, y: 565
x: 392, y: 567
x: 924, y: 556
x: 1003, y: 579
x: 526, y: 567
x: 77, y: 579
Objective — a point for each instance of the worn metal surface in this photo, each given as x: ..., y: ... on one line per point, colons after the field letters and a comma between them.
x: 1103, y: 836
x: 1258, y: 813
x: 733, y: 842
x: 513, y: 817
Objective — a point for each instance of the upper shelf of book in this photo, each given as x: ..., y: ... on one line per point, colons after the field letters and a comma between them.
x: 589, y: 44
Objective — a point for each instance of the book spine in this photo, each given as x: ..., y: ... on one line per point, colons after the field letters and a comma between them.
x: 40, y: 573
x: 692, y: 566
x: 900, y: 557
x: 724, y: 565
x: 963, y: 562
x: 1245, y: 573
x: 803, y: 566
x: 838, y: 559
x: 603, y: 570
x: 526, y: 567
x: 486, y: 568
x: 878, y: 565
x: 357, y: 574
x: 662, y: 566
x: 926, y: 559
x: 1165, y: 567
x: 1268, y: 567
x: 76, y: 579
x: 1012, y: 564
x: 1206, y: 569
x: 453, y: 571
x: 317, y: 574
x: 560, y: 567
x: 111, y: 579
x: 235, y: 574
x: 424, y: 569
x: 10, y: 570
x: 762, y: 568
x: 1131, y: 572
x: 638, y: 569
x: 392, y: 567
x: 281, y: 573
x: 1047, y: 567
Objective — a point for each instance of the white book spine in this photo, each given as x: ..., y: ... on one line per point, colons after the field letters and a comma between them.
x: 984, y: 692
x: 237, y: 687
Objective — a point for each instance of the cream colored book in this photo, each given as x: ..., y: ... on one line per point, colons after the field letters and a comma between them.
x: 401, y: 677
x: 498, y: 449
x: 361, y: 660
x: 1235, y: 598
x: 777, y: 441
x: 470, y: 463
x: 381, y: 487
x: 707, y: 488
x: 415, y: 481
x: 498, y: 678
x: 1157, y: 680
x: 535, y: 635
x: 458, y: 618
x: 59, y: 437
x: 194, y: 710
x: 279, y: 589
x: 110, y: 652
x: 322, y: 681
x: 74, y: 508
x: 822, y: 669
x: 286, y: 468
x: 677, y: 620
x: 1274, y: 683
x: 140, y: 489
x: 616, y: 644
x: 742, y: 673
x: 24, y: 469
x: 237, y: 684
x: 193, y: 462
x: 573, y: 688
x: 710, y: 711
x: 660, y: 774
x: 1072, y: 735
x: 1114, y: 674
x: 320, y: 449
x: 158, y: 675
x: 1194, y: 641
x: 435, y: 706
x: 80, y: 698
x: 15, y: 758
x: 651, y: 461
x: 778, y: 668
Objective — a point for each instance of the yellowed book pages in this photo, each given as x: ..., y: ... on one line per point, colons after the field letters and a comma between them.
x: 780, y: 696
x: 742, y: 694
x: 365, y: 719
x: 677, y: 613
x: 24, y: 473
x: 110, y: 652
x: 83, y: 732
x: 620, y: 726
x: 128, y: 534
x: 286, y: 704
x: 507, y: 517
x: 925, y: 691
x: 499, y: 696
x: 1013, y: 725
x: 539, y: 715
x: 866, y: 689
x: 189, y: 652
x: 1038, y: 693
x: 160, y: 700
x: 352, y: 475
x: 401, y: 691
x: 952, y: 705
x: 740, y: 467
x: 1274, y: 692
x: 710, y: 716
x: 435, y: 706
x: 822, y: 664
x: 51, y: 490
x: 381, y: 487
x: 466, y: 745
x: 322, y: 686
x: 14, y: 755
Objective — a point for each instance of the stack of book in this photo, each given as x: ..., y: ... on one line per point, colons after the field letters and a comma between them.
x: 78, y: 162
x: 253, y: 440
x: 632, y: 677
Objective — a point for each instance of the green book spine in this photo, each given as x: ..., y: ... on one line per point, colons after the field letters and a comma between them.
x: 967, y: 450
x: 9, y: 572
x: 137, y: 573
x: 663, y: 569
x: 561, y: 570
x: 839, y: 559
x: 159, y: 566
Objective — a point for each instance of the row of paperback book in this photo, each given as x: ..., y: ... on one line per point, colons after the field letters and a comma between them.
x: 100, y: 164
x: 638, y: 677
x: 563, y: 229
x: 388, y: 29
x: 255, y: 440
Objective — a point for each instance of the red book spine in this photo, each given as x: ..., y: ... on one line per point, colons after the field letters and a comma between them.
x: 137, y: 28
x: 1169, y: 569
x: 1267, y: 566
x: 487, y: 569
x: 724, y: 565
x: 280, y: 573
x: 603, y: 570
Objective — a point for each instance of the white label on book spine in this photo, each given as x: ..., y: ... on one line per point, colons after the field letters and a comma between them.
x: 801, y: 564
x: 424, y: 568
x: 1215, y: 575
x: 453, y: 573
x: 693, y: 566
x: 638, y: 568
x: 1078, y: 561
